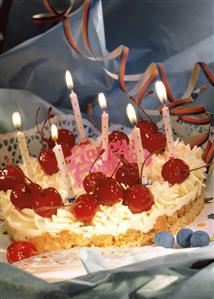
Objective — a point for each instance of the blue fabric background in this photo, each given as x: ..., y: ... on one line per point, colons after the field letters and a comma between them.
x: 193, y: 282
x: 177, y: 33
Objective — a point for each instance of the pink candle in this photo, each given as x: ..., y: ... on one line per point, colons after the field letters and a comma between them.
x: 137, y: 141
x: 75, y: 106
x: 161, y: 92
x: 103, y: 105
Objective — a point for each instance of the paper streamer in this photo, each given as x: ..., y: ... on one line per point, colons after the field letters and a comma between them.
x: 144, y: 79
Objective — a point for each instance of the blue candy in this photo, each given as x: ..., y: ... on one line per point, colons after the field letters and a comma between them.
x: 199, y: 239
x: 164, y: 239
x: 183, y: 237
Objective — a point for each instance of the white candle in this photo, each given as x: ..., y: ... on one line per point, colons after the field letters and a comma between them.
x: 75, y: 106
x: 16, y: 118
x: 161, y: 92
x: 61, y: 163
x: 103, y: 105
x: 137, y: 141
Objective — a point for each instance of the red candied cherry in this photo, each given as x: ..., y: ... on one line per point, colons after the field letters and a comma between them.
x: 128, y: 174
x: 138, y: 198
x: 19, y: 250
x: 175, y: 171
x: 117, y: 135
x: 66, y: 149
x: 91, y: 179
x: 48, y: 162
x: 108, y: 192
x: 154, y: 142
x: 147, y: 127
x: 11, y: 176
x: 85, y: 208
x: 66, y: 139
x: 22, y: 195
x: 46, y: 202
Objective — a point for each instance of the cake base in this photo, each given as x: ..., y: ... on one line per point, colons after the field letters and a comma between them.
x: 132, y: 238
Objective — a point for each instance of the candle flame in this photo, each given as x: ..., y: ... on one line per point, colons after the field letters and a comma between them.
x: 16, y: 119
x: 131, y: 114
x: 54, y: 132
x: 102, y: 100
x: 69, y: 80
x: 161, y: 91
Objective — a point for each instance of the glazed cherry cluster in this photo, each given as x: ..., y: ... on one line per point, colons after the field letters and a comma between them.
x: 107, y: 191
x: 47, y: 158
x: 26, y: 194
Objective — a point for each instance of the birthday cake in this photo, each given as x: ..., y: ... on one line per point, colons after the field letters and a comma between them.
x: 118, y: 212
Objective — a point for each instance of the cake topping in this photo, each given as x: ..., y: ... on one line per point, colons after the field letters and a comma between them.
x: 128, y: 173
x: 175, y: 171
x: 91, y: 180
x: 146, y: 128
x: 48, y: 162
x: 85, y: 208
x: 183, y: 237
x: 154, y: 142
x: 19, y: 250
x: 108, y: 192
x: 164, y: 239
x: 66, y: 139
x: 11, y: 176
x: 22, y: 195
x: 117, y: 135
x: 138, y: 198
x: 151, y: 139
x: 46, y: 202
x: 199, y: 239
x: 47, y: 157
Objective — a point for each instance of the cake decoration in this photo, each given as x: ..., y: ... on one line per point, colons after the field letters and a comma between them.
x: 66, y: 140
x: 85, y: 208
x: 183, y: 237
x: 175, y: 171
x: 105, y: 124
x: 46, y: 202
x: 108, y: 192
x: 75, y: 106
x: 22, y: 195
x: 19, y: 250
x: 164, y: 239
x: 138, y: 198
x: 199, y: 239
x: 92, y: 178
x: 10, y: 176
x: 128, y: 173
x: 16, y: 119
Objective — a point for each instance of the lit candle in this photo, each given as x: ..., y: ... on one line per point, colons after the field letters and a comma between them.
x: 103, y: 105
x: 61, y: 162
x: 137, y: 141
x: 75, y: 106
x: 16, y: 118
x: 161, y: 92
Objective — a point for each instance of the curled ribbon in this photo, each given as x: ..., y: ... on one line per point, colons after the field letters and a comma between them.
x: 180, y: 107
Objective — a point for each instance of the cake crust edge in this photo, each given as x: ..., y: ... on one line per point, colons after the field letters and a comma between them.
x: 132, y: 238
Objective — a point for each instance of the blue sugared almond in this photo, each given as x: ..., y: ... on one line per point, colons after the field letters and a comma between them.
x: 164, y: 239
x: 183, y: 237
x: 199, y: 239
